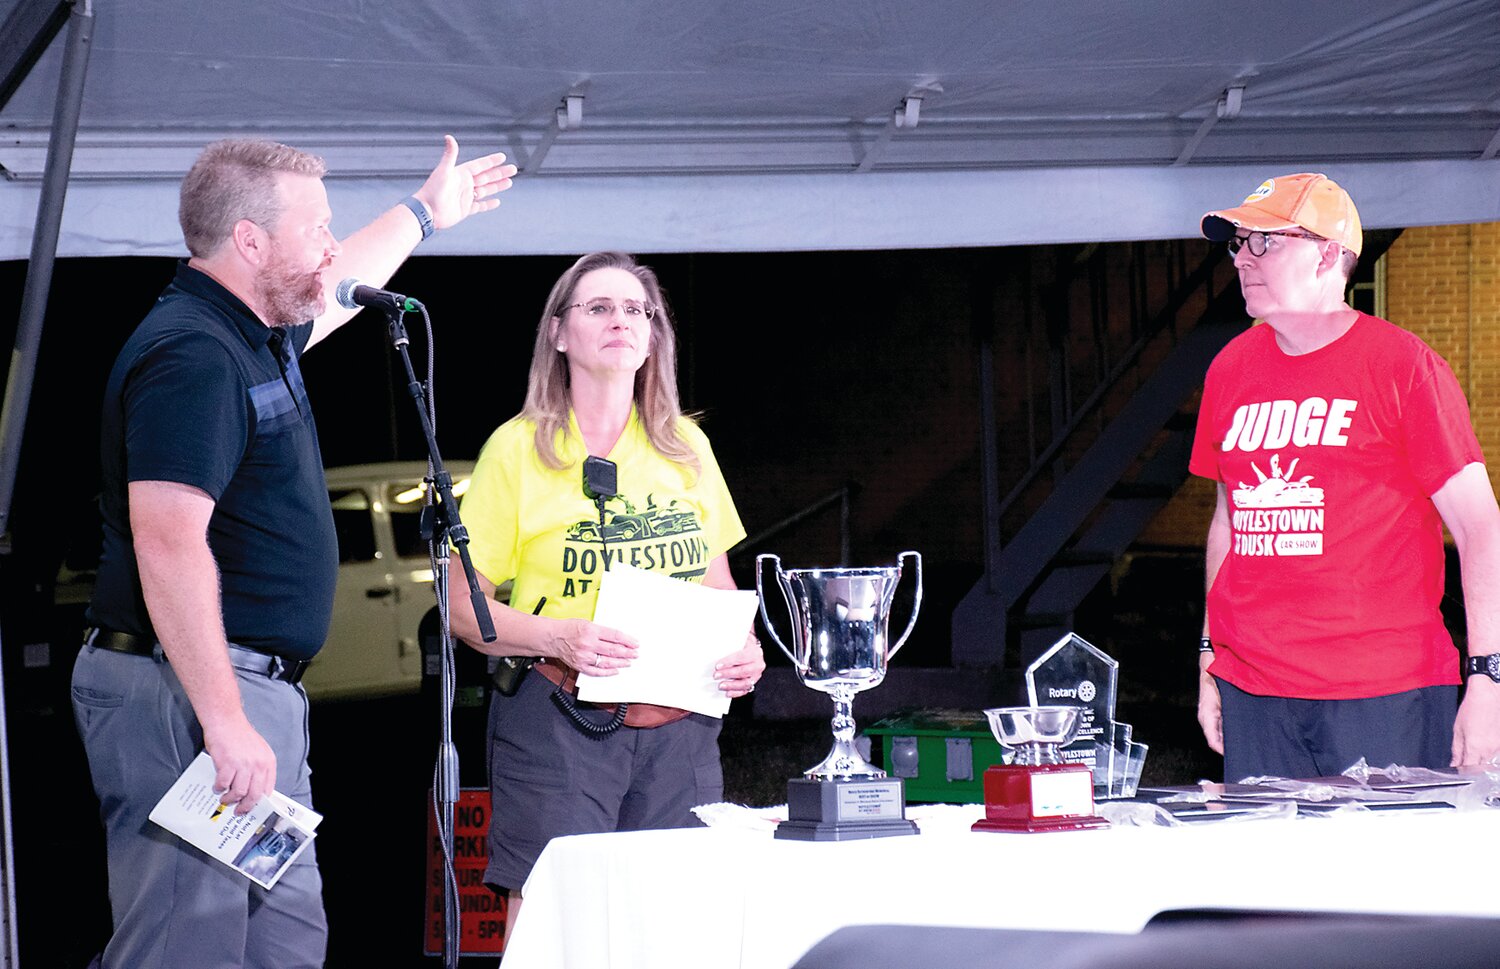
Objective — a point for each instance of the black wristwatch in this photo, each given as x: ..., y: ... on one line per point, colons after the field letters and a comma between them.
x: 1205, y: 645
x: 1489, y: 665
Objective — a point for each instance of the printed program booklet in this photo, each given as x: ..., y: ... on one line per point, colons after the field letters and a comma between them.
x: 260, y: 844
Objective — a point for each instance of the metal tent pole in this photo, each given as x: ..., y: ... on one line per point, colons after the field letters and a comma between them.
x: 23, y: 369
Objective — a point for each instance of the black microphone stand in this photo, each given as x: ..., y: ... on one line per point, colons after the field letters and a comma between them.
x: 441, y: 516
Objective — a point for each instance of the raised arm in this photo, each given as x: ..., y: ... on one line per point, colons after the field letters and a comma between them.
x: 452, y: 193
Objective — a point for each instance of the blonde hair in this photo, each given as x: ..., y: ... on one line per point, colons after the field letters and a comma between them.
x: 232, y: 180
x: 656, y: 400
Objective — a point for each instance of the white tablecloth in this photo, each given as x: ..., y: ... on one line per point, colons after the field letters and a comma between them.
x: 710, y: 898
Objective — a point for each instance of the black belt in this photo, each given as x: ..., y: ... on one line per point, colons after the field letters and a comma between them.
x: 241, y: 657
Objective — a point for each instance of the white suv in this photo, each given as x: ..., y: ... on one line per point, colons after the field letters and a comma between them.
x: 384, y: 585
x: 385, y: 580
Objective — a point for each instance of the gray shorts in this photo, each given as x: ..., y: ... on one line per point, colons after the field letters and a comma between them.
x: 548, y: 779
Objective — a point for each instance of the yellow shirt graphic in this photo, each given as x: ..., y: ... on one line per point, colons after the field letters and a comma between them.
x: 534, y: 525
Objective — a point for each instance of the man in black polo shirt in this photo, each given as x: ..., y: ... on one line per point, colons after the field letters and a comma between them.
x: 216, y: 581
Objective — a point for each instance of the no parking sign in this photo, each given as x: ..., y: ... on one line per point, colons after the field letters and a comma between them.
x: 481, y: 911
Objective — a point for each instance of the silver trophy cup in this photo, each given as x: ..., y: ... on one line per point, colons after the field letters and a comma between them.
x: 841, y: 643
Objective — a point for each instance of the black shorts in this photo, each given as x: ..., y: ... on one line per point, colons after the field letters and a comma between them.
x: 1269, y: 736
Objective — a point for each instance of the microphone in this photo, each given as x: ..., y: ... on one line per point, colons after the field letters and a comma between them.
x: 600, y: 478
x: 600, y: 483
x: 352, y: 294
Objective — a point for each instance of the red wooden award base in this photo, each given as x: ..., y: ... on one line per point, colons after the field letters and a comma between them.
x: 1046, y: 797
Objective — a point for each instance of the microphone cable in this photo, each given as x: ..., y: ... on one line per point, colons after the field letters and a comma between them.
x: 599, y: 483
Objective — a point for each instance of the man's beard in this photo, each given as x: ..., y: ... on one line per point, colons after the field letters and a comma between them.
x: 286, y: 295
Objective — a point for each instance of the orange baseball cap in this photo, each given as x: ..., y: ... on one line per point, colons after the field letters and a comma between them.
x: 1307, y: 200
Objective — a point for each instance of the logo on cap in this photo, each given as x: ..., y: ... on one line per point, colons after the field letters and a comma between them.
x: 1266, y: 188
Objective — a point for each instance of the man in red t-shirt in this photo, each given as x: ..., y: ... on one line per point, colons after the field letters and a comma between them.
x: 1341, y: 445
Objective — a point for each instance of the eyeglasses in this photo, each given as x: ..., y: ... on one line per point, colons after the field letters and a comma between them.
x: 603, y: 308
x: 1259, y: 242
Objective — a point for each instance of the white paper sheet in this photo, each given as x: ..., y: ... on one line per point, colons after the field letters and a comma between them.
x: 683, y: 628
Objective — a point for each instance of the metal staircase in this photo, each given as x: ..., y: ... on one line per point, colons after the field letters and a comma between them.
x: 1111, y: 461
x: 1098, y: 498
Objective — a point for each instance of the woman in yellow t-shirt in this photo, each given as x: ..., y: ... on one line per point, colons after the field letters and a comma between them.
x: 603, y: 384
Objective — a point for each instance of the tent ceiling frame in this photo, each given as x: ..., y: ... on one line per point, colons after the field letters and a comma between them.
x: 698, y: 148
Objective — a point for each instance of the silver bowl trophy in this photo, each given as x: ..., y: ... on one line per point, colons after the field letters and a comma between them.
x: 842, y: 644
x: 1038, y: 790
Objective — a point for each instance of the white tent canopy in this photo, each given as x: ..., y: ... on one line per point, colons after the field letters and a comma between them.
x: 683, y: 125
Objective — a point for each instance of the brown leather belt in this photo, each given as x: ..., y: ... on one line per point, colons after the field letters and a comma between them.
x: 241, y: 657
x: 639, y: 715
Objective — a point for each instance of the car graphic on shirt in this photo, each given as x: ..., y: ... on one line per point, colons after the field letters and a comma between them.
x: 1279, y: 489
x: 630, y: 525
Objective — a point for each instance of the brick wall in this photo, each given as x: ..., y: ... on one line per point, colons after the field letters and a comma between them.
x: 1443, y: 284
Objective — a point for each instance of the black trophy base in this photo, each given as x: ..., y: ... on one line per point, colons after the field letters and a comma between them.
x: 844, y: 810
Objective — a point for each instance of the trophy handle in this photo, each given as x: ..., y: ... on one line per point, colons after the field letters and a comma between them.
x: 760, y: 593
x: 916, y: 604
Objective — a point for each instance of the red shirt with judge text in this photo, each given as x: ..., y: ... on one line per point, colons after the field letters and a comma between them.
x: 1331, y: 585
